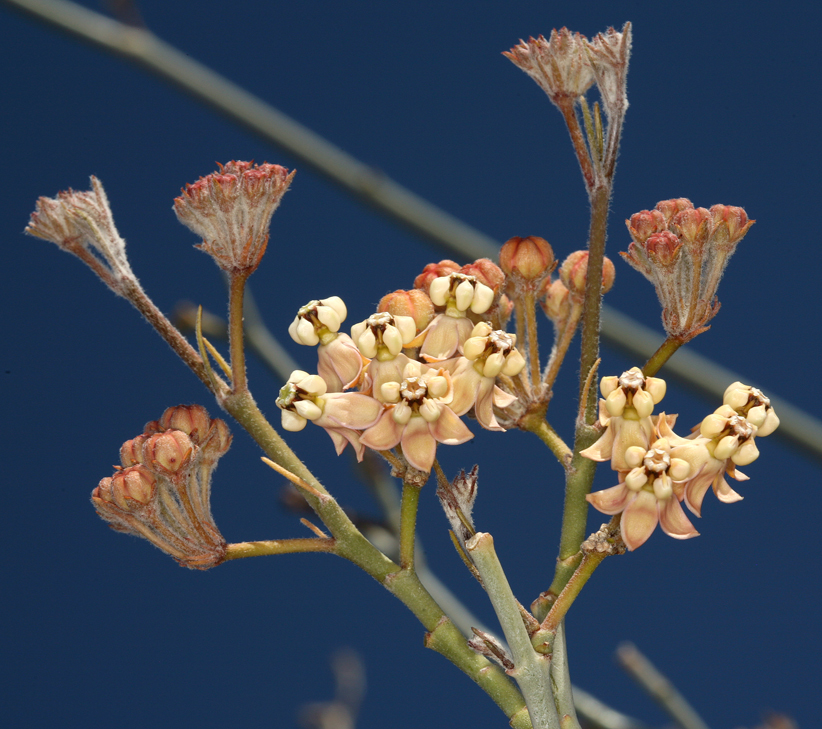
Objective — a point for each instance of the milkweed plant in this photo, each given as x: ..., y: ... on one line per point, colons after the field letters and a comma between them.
x: 437, y: 361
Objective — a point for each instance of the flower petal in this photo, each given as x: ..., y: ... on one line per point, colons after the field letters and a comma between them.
x: 349, y: 410
x: 384, y: 434
x: 639, y: 520
x: 611, y: 501
x: 418, y: 445
x: 449, y: 429
x: 673, y: 521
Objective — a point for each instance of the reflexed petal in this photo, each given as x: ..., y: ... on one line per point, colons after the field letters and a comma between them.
x: 484, y: 406
x: 351, y: 410
x: 601, y: 450
x: 384, y: 435
x: 443, y: 338
x: 418, y: 445
x: 342, y: 437
x: 639, y: 520
x: 611, y: 501
x: 503, y: 399
x: 723, y: 491
x: 466, y: 381
x: 673, y: 521
x: 449, y: 429
x: 340, y: 363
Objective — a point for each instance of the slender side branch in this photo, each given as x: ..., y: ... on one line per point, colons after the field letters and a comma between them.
x: 235, y: 330
x: 278, y: 546
x: 662, y: 355
x: 408, y: 524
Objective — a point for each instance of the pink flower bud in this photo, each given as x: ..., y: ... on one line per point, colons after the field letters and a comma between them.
x: 486, y: 272
x: 669, y: 208
x: 414, y: 303
x: 663, y: 249
x: 528, y: 259
x: 193, y: 420
x: 644, y: 224
x: 168, y: 453
x: 435, y: 270
x: 574, y: 273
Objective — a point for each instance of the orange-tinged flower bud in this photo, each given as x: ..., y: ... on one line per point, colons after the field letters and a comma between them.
x: 414, y: 303
x: 435, y: 270
x: 663, y: 248
x: 669, y: 208
x: 131, y: 452
x: 168, y: 452
x: 574, y: 273
x: 486, y: 272
x: 644, y: 224
x: 193, y: 420
x: 694, y: 226
x: 730, y: 224
x: 527, y: 259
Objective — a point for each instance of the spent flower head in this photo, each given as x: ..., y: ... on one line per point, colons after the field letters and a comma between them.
x: 231, y: 211
x: 683, y: 251
x: 81, y: 223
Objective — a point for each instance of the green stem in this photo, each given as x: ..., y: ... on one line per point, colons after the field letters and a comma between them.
x: 532, y: 671
x: 662, y: 355
x: 578, y: 480
x: 562, y: 345
x: 408, y: 524
x: 519, y: 311
x: 543, y: 430
x: 590, y: 561
x: 443, y: 637
x: 278, y: 546
x: 563, y: 692
x: 235, y: 330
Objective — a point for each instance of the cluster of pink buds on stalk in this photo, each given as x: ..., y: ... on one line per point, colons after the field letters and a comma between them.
x: 683, y: 251
x: 162, y: 491
x: 657, y: 469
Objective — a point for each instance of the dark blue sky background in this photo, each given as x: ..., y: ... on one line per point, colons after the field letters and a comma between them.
x: 103, y: 630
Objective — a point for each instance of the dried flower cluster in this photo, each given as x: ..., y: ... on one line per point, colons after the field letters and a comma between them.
x: 162, y: 492
x: 659, y: 469
x: 683, y: 251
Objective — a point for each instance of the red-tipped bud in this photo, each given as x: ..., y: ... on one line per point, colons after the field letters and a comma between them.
x: 644, y: 224
x: 669, y: 208
x: 193, y: 420
x: 131, y: 452
x: 217, y: 444
x: 435, y: 270
x: 730, y: 224
x: 694, y: 227
x: 529, y: 259
x: 169, y: 452
x: 129, y: 489
x: 414, y: 303
x: 663, y: 249
x: 486, y: 272
x: 574, y: 273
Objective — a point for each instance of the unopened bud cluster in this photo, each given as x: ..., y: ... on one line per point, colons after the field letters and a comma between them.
x: 162, y: 491
x: 683, y: 251
x: 658, y: 470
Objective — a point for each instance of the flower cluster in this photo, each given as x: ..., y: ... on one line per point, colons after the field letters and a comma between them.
x: 162, y: 491
x: 683, y: 251
x: 658, y: 470
x: 425, y: 359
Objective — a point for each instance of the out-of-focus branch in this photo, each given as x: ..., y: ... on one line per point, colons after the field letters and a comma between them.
x: 658, y: 687
x: 372, y: 186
